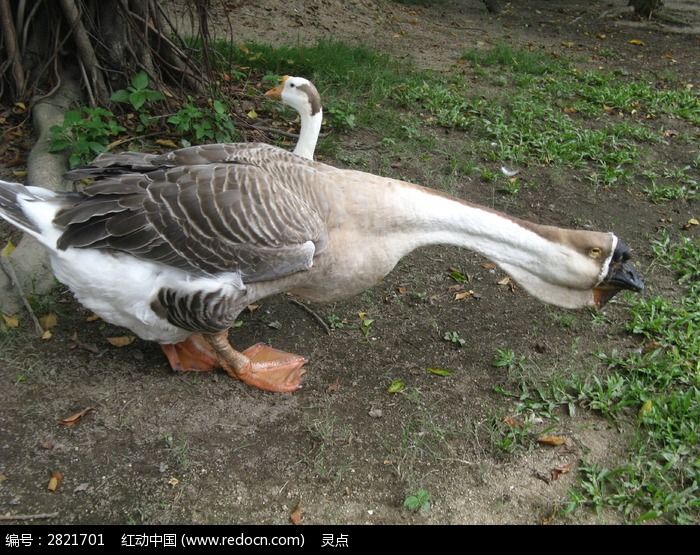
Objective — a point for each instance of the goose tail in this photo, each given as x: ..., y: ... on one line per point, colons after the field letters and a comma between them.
x: 14, y: 200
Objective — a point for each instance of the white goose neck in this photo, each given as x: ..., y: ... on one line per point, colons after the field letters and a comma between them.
x: 308, y: 134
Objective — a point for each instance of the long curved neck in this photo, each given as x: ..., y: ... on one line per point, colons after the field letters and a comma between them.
x: 308, y: 134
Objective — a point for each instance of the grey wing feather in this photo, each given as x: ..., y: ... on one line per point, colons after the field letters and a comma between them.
x: 205, y: 209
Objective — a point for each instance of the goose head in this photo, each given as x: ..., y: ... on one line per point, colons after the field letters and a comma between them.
x: 574, y: 268
x: 301, y: 94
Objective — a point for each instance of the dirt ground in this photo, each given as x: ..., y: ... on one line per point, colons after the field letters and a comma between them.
x: 202, y: 448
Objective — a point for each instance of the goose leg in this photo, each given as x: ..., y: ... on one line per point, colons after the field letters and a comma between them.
x: 260, y: 365
x: 194, y: 354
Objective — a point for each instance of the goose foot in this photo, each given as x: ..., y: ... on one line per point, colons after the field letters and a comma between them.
x: 194, y: 354
x: 261, y: 366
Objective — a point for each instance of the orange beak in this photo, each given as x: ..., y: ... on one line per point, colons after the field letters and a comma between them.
x: 276, y: 93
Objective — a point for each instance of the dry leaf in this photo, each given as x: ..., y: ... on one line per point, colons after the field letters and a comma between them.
x: 464, y: 295
x: 19, y: 173
x: 570, y: 110
x: 488, y: 266
x: 166, y: 142
x: 401, y: 290
x: 55, y: 481
x: 443, y: 372
x: 173, y: 482
x: 2, y: 478
x: 121, y: 341
x: 10, y: 321
x: 567, y: 43
x: 608, y: 109
x: 49, y: 321
x: 601, y: 36
x: 513, y: 422
x: 559, y: 470
x: 8, y: 249
x: 73, y: 419
x: 47, y: 335
x: 690, y: 223
x: 670, y: 133
x: 295, y: 516
x: 552, y: 441
x: 21, y: 106
x: 92, y: 318
x: 636, y: 42
x: 505, y: 281
x: 252, y: 307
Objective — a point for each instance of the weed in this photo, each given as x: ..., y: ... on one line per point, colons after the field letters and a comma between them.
x: 85, y: 132
x: 453, y: 337
x: 418, y: 501
x: 199, y: 125
x: 138, y: 93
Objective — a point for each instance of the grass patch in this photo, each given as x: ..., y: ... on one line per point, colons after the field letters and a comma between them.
x: 658, y: 387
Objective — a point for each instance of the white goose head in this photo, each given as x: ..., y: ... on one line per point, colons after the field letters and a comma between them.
x: 301, y: 94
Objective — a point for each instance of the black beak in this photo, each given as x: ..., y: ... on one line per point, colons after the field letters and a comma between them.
x: 621, y: 275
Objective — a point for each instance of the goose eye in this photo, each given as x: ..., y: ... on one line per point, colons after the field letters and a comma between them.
x: 595, y: 252
x: 291, y: 85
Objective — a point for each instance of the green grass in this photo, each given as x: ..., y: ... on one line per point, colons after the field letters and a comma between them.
x: 537, y: 110
x: 657, y: 387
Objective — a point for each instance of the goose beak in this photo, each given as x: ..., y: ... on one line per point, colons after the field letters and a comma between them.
x: 621, y: 275
x: 276, y: 93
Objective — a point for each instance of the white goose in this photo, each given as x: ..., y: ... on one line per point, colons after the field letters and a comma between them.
x: 300, y: 94
x: 174, y: 246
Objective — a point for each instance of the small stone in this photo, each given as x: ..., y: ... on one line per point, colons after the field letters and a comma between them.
x: 376, y: 413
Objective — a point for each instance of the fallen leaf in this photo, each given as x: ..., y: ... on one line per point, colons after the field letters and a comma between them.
x: 690, y: 223
x: 670, y: 133
x: 552, y: 441
x: 608, y: 109
x: 401, y: 290
x: 167, y: 143
x: 636, y: 42
x: 252, y: 307
x: 440, y: 372
x: 396, y: 386
x: 73, y: 419
x: 488, y: 266
x: 505, y: 281
x: 464, y: 295
x: 601, y: 36
x: 121, y: 341
x: 295, y: 516
x: 2, y: 478
x: 567, y: 43
x: 55, y: 481
x: 8, y: 249
x: 49, y: 321
x: 513, y: 422
x: 559, y: 470
x: 21, y: 106
x: 570, y: 110
x: 10, y: 321
x: 47, y: 335
x: 362, y: 315
x: 252, y: 114
x: 19, y: 173
x: 92, y: 318
x: 335, y: 386
x: 173, y: 482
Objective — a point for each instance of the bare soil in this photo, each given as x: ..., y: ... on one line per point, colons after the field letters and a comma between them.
x: 201, y: 448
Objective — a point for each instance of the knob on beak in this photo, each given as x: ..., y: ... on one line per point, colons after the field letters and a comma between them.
x: 621, y: 275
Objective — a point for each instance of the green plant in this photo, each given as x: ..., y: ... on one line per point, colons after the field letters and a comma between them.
x: 418, y: 501
x: 341, y: 115
x: 453, y: 337
x: 85, y: 132
x: 198, y: 125
x: 138, y: 93
x: 335, y: 322
x: 366, y: 325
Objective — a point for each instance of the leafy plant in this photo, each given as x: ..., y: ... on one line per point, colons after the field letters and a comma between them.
x: 453, y: 337
x: 418, y: 501
x: 85, y: 132
x: 341, y: 115
x: 199, y: 125
x: 138, y: 93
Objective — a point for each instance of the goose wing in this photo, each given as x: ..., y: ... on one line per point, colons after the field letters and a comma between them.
x: 205, y: 210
